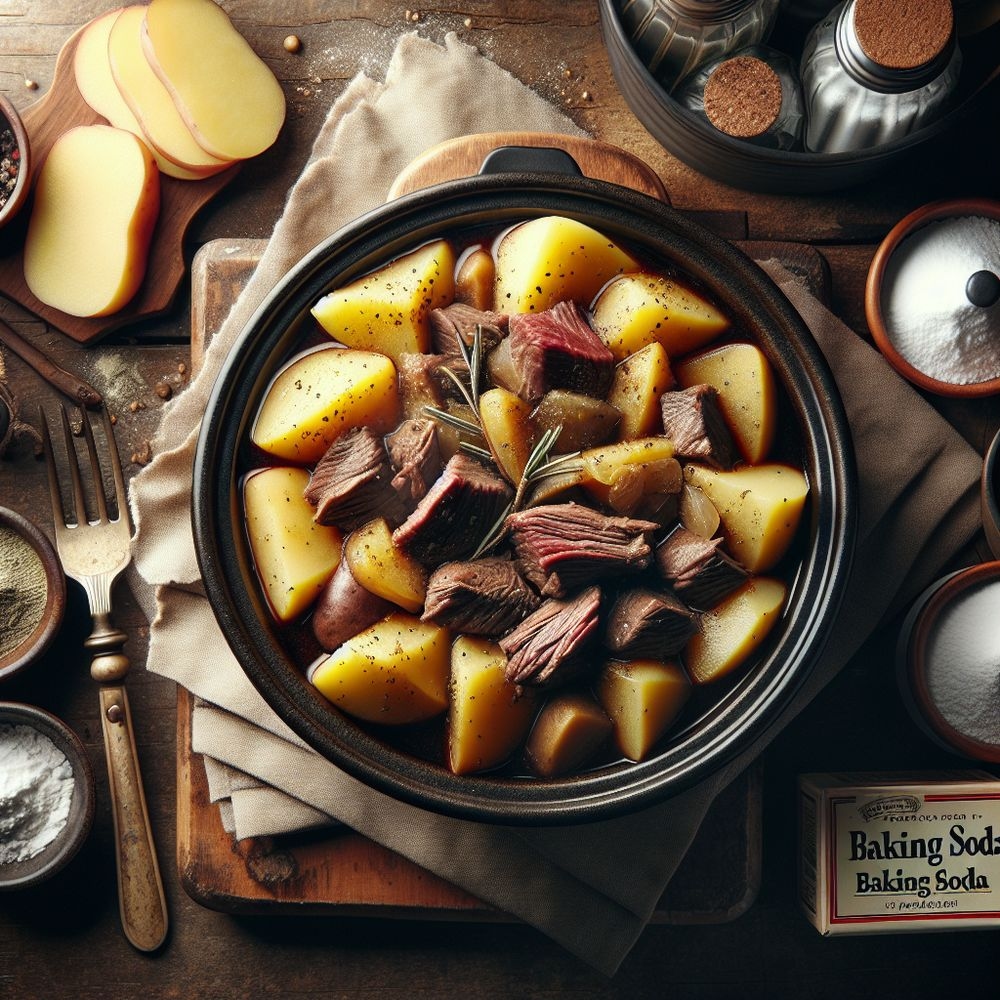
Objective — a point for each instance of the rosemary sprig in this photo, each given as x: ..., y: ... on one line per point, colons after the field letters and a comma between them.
x: 458, y: 423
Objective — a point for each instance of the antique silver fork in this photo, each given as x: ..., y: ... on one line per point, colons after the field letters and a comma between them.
x: 94, y: 551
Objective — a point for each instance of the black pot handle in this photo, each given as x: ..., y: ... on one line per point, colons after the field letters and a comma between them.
x: 530, y: 160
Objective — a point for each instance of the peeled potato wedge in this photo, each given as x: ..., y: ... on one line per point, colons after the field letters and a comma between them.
x: 748, y: 395
x: 735, y: 628
x: 97, y: 200
x: 642, y: 698
x: 394, y: 672
x: 387, y: 310
x: 319, y: 396
x: 546, y: 260
x: 507, y: 427
x: 225, y: 93
x: 382, y: 569
x: 639, y: 309
x: 639, y: 382
x: 570, y: 729
x: 487, y: 718
x: 294, y: 556
x: 759, y: 507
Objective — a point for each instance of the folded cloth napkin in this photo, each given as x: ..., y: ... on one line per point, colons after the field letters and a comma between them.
x: 918, y: 507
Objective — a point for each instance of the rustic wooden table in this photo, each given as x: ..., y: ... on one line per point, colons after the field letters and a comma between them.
x: 64, y: 938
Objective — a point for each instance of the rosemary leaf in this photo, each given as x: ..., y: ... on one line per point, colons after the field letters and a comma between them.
x: 474, y: 449
x: 465, y: 426
x: 460, y: 385
x: 495, y: 533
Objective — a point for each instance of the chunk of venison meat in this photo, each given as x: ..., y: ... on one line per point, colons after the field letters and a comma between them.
x: 551, y: 646
x: 352, y: 483
x: 693, y: 421
x: 562, y: 547
x: 460, y: 320
x: 649, y: 623
x: 482, y: 597
x: 699, y: 571
x: 416, y: 457
x: 457, y: 512
x: 557, y: 349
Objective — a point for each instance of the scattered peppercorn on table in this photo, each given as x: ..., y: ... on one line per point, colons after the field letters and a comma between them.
x: 64, y: 938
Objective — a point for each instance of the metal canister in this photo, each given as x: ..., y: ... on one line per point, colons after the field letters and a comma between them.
x: 873, y: 71
x: 674, y: 37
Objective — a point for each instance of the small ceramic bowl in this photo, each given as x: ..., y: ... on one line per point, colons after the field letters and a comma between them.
x: 990, y: 496
x: 889, y: 265
x: 21, y: 873
x: 49, y: 620
x: 16, y: 198
x: 947, y: 661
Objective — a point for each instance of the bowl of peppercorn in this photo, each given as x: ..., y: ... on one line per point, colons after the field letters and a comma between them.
x: 15, y: 157
x: 32, y: 593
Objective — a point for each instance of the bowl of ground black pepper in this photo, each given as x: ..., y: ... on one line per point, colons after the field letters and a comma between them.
x: 15, y: 162
x: 32, y: 593
x: 47, y: 795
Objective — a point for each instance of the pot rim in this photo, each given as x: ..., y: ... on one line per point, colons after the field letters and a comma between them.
x: 377, y: 237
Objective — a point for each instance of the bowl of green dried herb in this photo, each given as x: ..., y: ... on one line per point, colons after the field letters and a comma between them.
x: 32, y: 592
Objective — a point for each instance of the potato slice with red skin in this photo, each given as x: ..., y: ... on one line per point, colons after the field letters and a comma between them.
x: 344, y: 608
x: 488, y: 718
x: 734, y: 629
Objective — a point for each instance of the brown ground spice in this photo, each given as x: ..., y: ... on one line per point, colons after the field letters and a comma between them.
x: 743, y: 97
x: 903, y: 34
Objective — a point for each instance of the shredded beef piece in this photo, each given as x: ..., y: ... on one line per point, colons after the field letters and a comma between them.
x: 461, y: 506
x: 650, y: 623
x: 557, y: 349
x: 461, y: 320
x: 483, y: 597
x: 550, y: 646
x: 415, y: 455
x: 353, y: 482
x: 693, y: 421
x: 700, y: 572
x: 565, y: 546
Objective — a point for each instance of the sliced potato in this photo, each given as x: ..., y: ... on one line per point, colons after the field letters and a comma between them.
x: 568, y: 732
x: 508, y: 429
x: 643, y: 698
x: 759, y: 507
x: 322, y: 394
x: 387, y: 310
x: 344, y: 608
x: 475, y: 279
x: 394, y: 672
x: 640, y: 309
x: 640, y: 380
x: 748, y: 396
x: 585, y: 421
x: 384, y: 570
x: 487, y: 717
x: 547, y: 260
x: 293, y: 555
x: 732, y: 630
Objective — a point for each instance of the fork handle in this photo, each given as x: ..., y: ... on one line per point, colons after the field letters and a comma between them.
x: 140, y: 889
x: 105, y: 642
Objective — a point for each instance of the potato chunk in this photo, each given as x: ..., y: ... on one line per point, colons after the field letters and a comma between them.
x: 227, y: 95
x: 97, y: 199
x: 487, y: 718
x: 547, y: 260
x: 732, y: 630
x: 320, y: 395
x: 640, y: 380
x: 394, y: 672
x: 568, y: 732
x: 384, y: 570
x: 748, y: 396
x: 294, y: 557
x: 759, y: 506
x: 387, y: 311
x: 640, y: 309
x: 642, y: 698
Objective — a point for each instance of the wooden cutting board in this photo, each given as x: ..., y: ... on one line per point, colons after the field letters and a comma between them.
x: 60, y: 109
x: 339, y: 871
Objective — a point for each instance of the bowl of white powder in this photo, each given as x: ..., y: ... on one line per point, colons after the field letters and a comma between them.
x: 46, y: 795
x: 932, y: 298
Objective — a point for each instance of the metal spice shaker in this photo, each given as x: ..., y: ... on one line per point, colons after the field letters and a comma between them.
x: 675, y: 37
x: 753, y: 95
x: 875, y: 70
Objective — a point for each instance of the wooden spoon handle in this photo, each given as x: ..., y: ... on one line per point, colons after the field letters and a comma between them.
x: 140, y: 889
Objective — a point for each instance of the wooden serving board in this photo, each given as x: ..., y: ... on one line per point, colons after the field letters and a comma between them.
x: 339, y: 871
x: 63, y: 108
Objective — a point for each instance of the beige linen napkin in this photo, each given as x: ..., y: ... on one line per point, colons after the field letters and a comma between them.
x: 576, y: 884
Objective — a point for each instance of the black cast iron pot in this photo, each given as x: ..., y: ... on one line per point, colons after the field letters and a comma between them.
x: 745, y: 711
